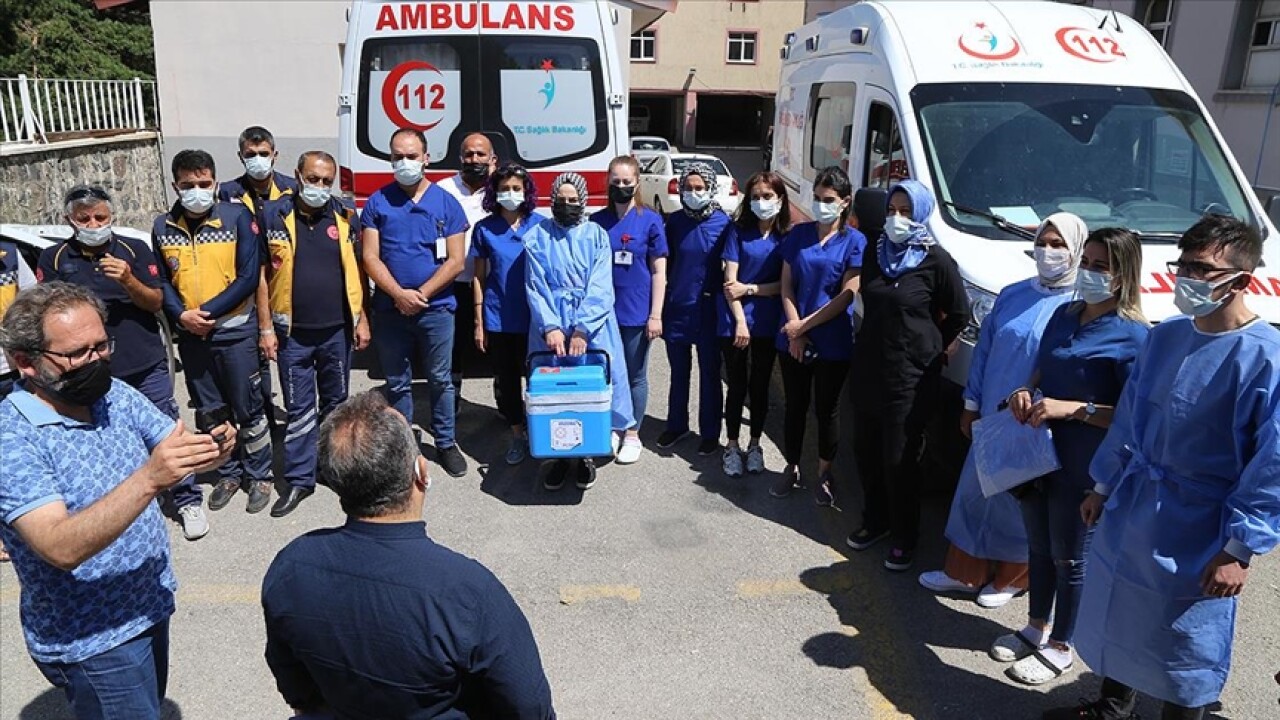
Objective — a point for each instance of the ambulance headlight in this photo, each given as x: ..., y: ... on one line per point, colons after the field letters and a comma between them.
x: 980, y: 304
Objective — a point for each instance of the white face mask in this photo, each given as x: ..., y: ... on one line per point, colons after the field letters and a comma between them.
x: 510, y: 199
x: 695, y: 200
x: 258, y: 167
x: 899, y: 229
x: 766, y: 209
x: 314, y: 196
x: 93, y: 237
x: 196, y: 200
x: 1052, y: 263
x: 407, y: 172
x: 826, y: 213
x: 1093, y: 287
x: 1195, y: 297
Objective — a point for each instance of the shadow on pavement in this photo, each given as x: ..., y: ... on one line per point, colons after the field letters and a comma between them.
x: 52, y: 705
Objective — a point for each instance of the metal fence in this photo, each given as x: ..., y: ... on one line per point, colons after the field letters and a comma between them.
x: 48, y: 109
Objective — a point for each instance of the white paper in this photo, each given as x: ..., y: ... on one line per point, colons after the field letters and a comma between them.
x: 566, y: 434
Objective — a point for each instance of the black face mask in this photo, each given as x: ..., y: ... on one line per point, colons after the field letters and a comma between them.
x: 621, y: 194
x: 566, y: 214
x: 475, y: 172
x: 82, y: 386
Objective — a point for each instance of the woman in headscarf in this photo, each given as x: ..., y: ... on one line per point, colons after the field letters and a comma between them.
x: 695, y: 239
x: 988, y: 553
x: 569, y: 283
x: 914, y: 308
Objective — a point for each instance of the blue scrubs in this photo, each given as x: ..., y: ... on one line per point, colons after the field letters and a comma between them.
x: 635, y: 239
x: 570, y: 288
x: 1192, y: 465
x: 817, y: 272
x: 759, y: 260
x: 694, y: 278
x: 506, y: 304
x: 1003, y: 360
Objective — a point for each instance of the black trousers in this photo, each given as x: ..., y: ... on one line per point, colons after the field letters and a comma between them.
x: 888, y: 442
x: 464, y: 328
x: 749, y: 371
x: 507, y: 353
x: 1119, y: 700
x: 820, y: 382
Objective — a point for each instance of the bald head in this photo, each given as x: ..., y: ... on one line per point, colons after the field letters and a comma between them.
x: 477, y: 160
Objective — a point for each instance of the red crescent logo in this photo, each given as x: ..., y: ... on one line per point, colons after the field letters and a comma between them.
x: 389, y: 93
x: 1017, y: 48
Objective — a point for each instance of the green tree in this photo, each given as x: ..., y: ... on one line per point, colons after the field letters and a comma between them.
x: 72, y: 39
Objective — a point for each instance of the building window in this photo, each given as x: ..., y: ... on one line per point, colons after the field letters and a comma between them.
x: 1158, y: 18
x: 644, y: 46
x: 1262, y: 69
x: 742, y: 47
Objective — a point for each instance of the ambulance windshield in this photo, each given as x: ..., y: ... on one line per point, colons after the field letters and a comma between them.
x: 1128, y: 157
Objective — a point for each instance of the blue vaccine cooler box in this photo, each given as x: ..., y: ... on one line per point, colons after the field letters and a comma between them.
x: 569, y: 406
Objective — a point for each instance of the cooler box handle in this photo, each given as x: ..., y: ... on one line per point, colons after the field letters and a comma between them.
x: 530, y: 365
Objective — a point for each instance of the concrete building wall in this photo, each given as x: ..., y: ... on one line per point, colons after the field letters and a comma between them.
x: 223, y: 66
x: 34, y: 178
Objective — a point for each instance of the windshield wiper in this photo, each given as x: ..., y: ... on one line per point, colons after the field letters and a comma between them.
x: 1157, y: 235
x: 995, y: 220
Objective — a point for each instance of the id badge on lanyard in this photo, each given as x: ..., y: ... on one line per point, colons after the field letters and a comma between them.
x: 623, y: 257
x: 442, y: 243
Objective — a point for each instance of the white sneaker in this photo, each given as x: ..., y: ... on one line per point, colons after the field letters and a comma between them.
x: 616, y: 440
x: 195, y: 524
x: 939, y: 581
x: 630, y: 451
x: 731, y: 462
x: 992, y: 598
x: 755, y: 460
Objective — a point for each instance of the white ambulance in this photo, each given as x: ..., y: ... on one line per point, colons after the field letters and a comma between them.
x: 1012, y: 111
x: 543, y: 80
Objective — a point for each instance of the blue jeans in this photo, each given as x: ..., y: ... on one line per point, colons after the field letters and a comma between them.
x: 710, y: 396
x: 1057, y: 543
x: 635, y: 345
x: 157, y: 386
x: 315, y: 366
x: 227, y: 373
x: 126, y: 682
x: 430, y: 332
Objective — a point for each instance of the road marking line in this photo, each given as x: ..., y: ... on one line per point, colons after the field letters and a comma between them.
x: 570, y: 594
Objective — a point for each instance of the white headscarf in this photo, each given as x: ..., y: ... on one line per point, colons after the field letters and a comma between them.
x: 1074, y: 231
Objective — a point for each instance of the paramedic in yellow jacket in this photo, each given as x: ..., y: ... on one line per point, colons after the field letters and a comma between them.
x: 316, y: 293
x: 210, y: 257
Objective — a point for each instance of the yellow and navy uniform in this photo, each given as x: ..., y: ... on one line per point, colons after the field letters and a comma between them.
x: 281, y: 235
x: 211, y: 264
x: 9, y: 260
x: 240, y: 191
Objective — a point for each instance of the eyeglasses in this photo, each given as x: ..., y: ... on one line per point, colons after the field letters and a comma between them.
x: 1198, y: 270
x: 88, y: 191
x: 102, y: 349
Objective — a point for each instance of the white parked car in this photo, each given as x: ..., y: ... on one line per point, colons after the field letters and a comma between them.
x: 650, y: 144
x: 660, y: 181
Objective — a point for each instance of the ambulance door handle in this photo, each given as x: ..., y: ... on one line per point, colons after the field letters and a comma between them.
x: 345, y: 100
x: 616, y: 100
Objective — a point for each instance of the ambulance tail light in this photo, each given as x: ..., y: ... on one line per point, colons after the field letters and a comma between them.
x: 980, y: 304
x: 733, y: 189
x: 346, y: 181
x: 673, y: 187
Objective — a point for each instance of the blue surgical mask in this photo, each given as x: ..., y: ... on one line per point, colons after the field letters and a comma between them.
x: 510, y: 199
x: 196, y: 200
x: 826, y: 213
x: 93, y: 237
x: 1195, y: 297
x: 314, y: 196
x: 408, y: 172
x: 899, y: 229
x: 695, y: 201
x: 766, y: 209
x: 258, y: 167
x: 1093, y: 287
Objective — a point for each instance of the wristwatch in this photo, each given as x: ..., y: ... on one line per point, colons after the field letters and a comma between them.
x: 1089, y: 410
x: 751, y: 289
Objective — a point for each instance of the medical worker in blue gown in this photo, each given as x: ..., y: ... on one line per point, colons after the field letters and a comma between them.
x: 570, y: 286
x: 988, y: 553
x: 1190, y: 477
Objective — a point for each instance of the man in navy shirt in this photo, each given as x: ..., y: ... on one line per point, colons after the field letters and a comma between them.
x: 413, y: 250
x: 317, y: 305
x: 406, y: 628
x: 122, y: 272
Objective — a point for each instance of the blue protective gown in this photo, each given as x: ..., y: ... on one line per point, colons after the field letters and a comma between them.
x: 1003, y: 360
x: 570, y: 285
x: 1192, y: 465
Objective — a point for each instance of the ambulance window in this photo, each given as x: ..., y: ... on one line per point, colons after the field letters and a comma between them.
x: 427, y: 92
x: 886, y: 162
x: 831, y: 128
x: 551, y: 97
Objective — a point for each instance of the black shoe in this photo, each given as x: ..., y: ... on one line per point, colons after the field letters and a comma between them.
x: 786, y: 483
x: 1096, y: 710
x: 290, y: 501
x: 669, y: 438
x: 708, y: 447
x: 899, y: 560
x: 586, y: 475
x: 864, y: 537
x: 556, y: 475
x: 822, y: 492
x: 223, y: 493
x: 259, y: 496
x: 451, y: 460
